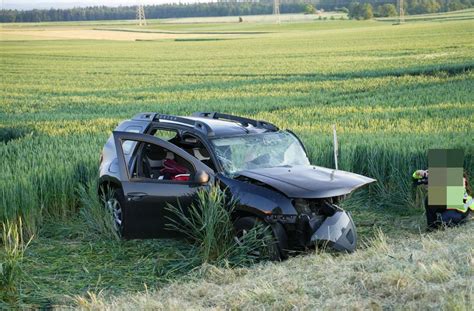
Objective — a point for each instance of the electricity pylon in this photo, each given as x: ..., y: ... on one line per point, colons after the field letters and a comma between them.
x: 401, y: 12
x: 276, y: 10
x: 141, y: 15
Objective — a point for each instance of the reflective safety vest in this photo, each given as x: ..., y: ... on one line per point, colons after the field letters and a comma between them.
x: 416, y: 175
x: 419, y: 179
x: 468, y: 201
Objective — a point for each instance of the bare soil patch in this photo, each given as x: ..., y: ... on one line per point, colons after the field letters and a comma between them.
x: 86, y: 34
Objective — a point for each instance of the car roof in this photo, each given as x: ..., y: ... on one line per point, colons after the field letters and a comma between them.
x: 223, y: 128
x: 212, y: 124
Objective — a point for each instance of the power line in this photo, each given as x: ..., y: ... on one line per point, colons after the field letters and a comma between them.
x: 141, y: 15
x: 401, y: 12
x: 276, y: 10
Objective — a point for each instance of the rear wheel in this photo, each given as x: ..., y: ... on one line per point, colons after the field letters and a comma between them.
x: 271, y: 248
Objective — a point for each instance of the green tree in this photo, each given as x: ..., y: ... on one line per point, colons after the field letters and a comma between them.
x: 455, y: 5
x: 354, y: 10
x: 367, y: 11
x: 423, y: 6
x: 360, y: 11
x: 309, y: 9
x: 387, y: 10
x: 344, y: 9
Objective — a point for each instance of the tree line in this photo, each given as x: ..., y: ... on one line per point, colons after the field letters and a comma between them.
x: 364, y: 9
x: 370, y: 9
x: 151, y: 11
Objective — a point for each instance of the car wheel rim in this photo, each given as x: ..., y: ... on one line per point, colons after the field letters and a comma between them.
x: 239, y: 240
x: 114, y: 208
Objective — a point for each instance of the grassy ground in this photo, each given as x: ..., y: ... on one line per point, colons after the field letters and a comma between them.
x: 66, y: 261
x: 436, y: 17
x: 425, y: 272
x: 393, y: 91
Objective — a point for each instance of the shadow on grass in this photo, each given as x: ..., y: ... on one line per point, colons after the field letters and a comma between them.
x: 8, y: 134
x: 431, y: 70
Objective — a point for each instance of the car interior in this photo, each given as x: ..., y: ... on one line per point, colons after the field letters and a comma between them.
x: 195, y: 147
x: 158, y: 163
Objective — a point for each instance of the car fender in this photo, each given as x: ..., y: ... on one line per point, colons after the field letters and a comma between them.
x: 109, y: 180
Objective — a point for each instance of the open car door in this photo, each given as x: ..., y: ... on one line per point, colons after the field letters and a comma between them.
x: 155, y: 173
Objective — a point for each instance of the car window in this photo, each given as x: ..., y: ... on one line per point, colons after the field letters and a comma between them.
x: 261, y: 150
x: 157, y: 163
x: 164, y: 134
x: 128, y: 145
x: 194, y: 146
x: 133, y: 129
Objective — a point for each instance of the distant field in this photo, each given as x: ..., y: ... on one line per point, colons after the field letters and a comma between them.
x: 163, y: 29
x: 284, y: 18
x: 392, y: 90
x: 435, y: 17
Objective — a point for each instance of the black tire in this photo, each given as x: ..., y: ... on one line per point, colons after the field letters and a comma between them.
x: 115, y: 203
x: 274, y: 250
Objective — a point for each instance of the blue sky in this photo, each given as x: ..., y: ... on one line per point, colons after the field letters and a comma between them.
x: 46, y: 4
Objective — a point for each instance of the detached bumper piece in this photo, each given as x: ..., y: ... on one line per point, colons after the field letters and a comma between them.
x: 338, y: 232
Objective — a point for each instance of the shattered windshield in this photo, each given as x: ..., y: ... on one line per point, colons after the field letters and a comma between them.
x: 259, y: 151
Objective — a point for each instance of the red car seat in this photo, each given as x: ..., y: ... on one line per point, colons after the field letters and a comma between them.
x: 174, y: 171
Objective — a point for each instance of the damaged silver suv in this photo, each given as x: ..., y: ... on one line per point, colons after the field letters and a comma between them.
x: 154, y: 160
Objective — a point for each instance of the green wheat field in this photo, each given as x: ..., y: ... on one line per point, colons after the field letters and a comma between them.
x: 393, y: 91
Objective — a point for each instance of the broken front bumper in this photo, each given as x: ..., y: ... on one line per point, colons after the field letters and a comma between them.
x: 337, y: 231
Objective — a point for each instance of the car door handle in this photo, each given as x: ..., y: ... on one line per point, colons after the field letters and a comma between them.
x: 136, y: 196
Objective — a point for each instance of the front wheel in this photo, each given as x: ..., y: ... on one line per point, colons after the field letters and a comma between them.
x: 271, y: 245
x: 115, y: 206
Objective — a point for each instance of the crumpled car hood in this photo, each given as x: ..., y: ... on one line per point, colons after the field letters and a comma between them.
x: 309, y: 182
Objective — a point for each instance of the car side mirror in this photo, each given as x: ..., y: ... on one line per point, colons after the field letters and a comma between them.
x: 201, y: 177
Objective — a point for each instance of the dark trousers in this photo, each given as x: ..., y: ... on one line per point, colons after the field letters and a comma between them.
x: 437, y: 216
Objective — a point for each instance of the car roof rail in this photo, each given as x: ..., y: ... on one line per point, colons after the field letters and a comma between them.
x: 243, y: 121
x: 144, y: 116
x: 201, y: 126
x: 153, y: 116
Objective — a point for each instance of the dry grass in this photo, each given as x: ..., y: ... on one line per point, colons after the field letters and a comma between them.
x: 71, y: 33
x: 428, y: 271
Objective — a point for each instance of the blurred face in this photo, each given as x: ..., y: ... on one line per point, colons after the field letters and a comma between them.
x: 446, y: 175
x: 464, y: 182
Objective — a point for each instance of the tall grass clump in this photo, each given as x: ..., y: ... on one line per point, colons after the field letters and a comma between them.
x: 94, y: 212
x: 11, y: 256
x: 209, y: 227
